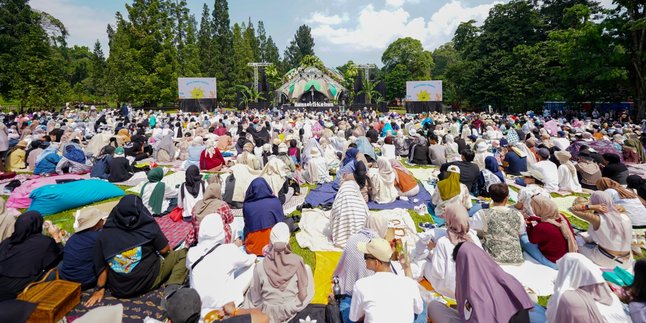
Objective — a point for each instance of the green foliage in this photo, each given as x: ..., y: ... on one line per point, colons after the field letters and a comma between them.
x: 301, y: 46
x: 370, y: 91
x: 249, y: 94
x: 405, y: 60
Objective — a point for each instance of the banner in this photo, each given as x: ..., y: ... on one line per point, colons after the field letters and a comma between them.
x: 196, y: 88
x: 424, y: 91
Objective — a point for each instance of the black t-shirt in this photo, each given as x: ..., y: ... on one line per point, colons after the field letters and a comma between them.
x: 469, y: 173
x: 132, y: 272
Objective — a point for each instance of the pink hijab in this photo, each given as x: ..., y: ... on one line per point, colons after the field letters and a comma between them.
x: 457, y: 223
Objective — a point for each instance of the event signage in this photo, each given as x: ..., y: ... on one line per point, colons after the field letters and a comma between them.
x: 424, y: 91
x: 313, y: 105
x: 196, y: 88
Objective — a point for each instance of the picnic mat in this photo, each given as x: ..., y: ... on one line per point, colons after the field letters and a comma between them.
x: 424, y: 174
x: 314, y: 231
x: 175, y: 232
x: 324, y: 194
x: 533, y: 275
x: 326, y: 262
x: 134, y: 309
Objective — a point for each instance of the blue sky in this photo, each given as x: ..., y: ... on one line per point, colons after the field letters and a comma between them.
x: 343, y: 30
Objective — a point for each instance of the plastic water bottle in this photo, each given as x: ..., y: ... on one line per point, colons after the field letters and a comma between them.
x: 336, y: 289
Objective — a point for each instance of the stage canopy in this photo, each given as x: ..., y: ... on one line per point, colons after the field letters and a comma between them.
x: 310, y: 84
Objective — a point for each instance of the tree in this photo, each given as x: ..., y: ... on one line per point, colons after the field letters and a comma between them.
x: 302, y: 45
x: 242, y: 55
x: 408, y: 60
x: 207, y: 50
x: 223, y: 37
x: 185, y: 40
x: 249, y: 94
x: 369, y: 90
x: 629, y: 19
x: 254, y: 44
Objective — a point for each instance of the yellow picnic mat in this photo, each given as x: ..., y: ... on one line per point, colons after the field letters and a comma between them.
x: 326, y: 262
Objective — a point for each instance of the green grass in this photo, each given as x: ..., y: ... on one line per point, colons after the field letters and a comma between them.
x: 417, y: 218
x: 65, y: 219
x: 542, y: 300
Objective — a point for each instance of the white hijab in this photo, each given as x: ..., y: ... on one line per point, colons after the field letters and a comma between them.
x: 211, y: 233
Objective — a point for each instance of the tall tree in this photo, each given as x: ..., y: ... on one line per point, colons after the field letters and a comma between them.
x: 405, y: 60
x: 223, y: 38
x: 242, y: 54
x: 302, y: 45
x: 207, y: 50
x: 254, y: 43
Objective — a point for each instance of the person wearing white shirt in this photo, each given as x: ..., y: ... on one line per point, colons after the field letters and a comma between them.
x: 545, y: 171
x: 385, y: 296
x: 561, y: 142
x: 568, y: 178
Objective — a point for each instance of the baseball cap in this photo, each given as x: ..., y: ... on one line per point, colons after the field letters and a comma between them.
x: 183, y: 305
x: 543, y: 152
x: 377, y: 247
x: 453, y: 169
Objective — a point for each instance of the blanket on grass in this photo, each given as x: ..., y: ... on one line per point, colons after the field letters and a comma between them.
x: 324, y: 194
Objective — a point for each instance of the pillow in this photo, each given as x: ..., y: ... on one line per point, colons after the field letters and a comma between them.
x: 55, y: 198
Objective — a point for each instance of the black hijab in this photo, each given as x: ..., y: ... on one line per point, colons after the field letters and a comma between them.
x: 27, y: 252
x: 637, y: 183
x: 129, y: 225
x: 193, y: 180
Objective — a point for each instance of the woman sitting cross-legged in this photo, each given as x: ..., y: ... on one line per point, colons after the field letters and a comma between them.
x: 127, y: 254
x: 581, y: 295
x: 483, y: 291
x: 74, y: 161
x: 450, y: 190
x: 610, y: 230
x: 26, y: 255
x: 220, y: 272
x: 405, y: 182
x: 282, y: 284
x: 440, y: 270
x: 549, y: 232
x: 261, y: 211
x: 158, y: 197
x: 490, y: 175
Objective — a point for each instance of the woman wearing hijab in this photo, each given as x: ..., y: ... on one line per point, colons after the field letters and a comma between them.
x: 73, y: 161
x: 418, y: 154
x: 127, y: 254
x: 191, y: 191
x: 158, y: 197
x: 632, y: 205
x: 220, y: 272
x: 282, y: 284
x: 164, y: 150
x: 194, y: 153
x: 349, y: 212
x: 47, y: 161
x: 248, y: 158
x: 550, y: 231
x: 568, y: 178
x: 184, y: 144
x: 483, y: 291
x: 638, y: 184
x: 440, y: 270
x: 450, y: 190
x: 316, y: 170
x: 581, y: 295
x: 261, y: 211
x: 610, y: 230
x: 365, y: 147
x: 123, y: 136
x: 405, y: 182
x: 588, y: 171
x: 119, y: 167
x: 452, y: 149
x: 491, y: 174
x: 212, y: 203
x: 26, y: 255
x: 347, y: 166
x: 383, y: 181
x: 16, y: 157
x: 35, y: 149
x: 100, y: 167
x: 211, y: 159
x: 614, y: 169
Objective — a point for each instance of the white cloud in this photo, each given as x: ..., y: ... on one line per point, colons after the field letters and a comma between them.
x: 84, y: 23
x: 395, y: 3
x: 375, y: 29
x: 319, y: 18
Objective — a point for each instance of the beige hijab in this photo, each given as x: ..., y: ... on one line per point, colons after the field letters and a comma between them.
x: 548, y: 211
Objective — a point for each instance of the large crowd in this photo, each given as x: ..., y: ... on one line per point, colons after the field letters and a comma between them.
x: 493, y: 179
